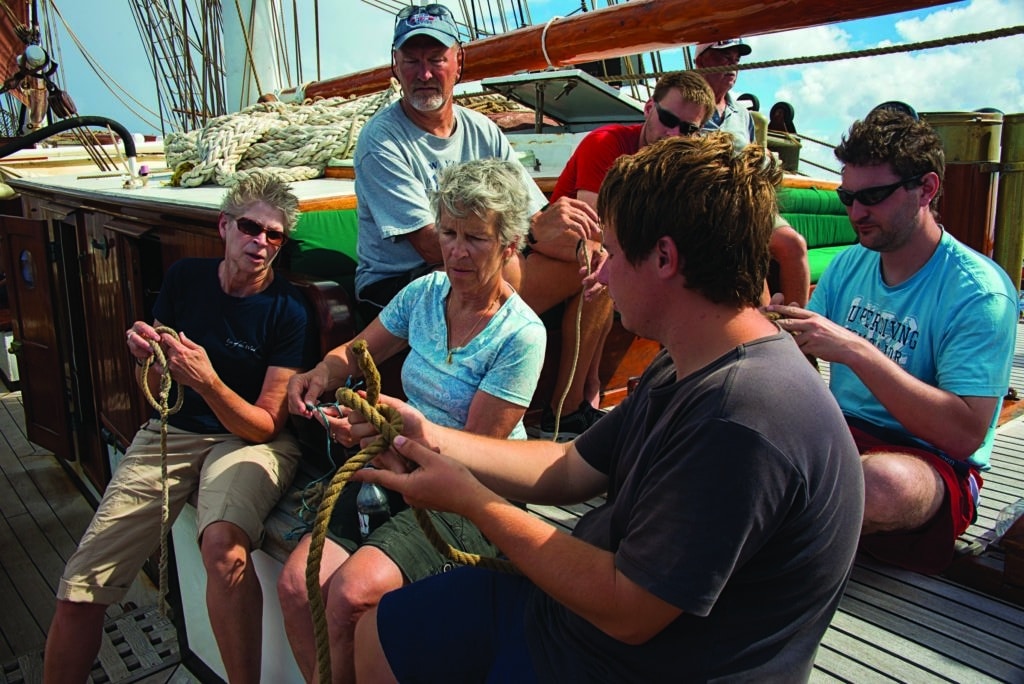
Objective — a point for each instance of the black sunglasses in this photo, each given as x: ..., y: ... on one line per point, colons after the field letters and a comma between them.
x: 254, y: 228
x: 670, y: 120
x: 872, y: 196
x: 416, y: 10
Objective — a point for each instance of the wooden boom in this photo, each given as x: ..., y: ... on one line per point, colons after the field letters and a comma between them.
x: 628, y: 28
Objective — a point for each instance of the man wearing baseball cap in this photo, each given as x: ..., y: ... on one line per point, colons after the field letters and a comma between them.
x: 728, y: 116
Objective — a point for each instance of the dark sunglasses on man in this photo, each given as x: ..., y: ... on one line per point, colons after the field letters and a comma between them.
x: 874, y: 195
x: 430, y: 10
x: 670, y: 120
x: 254, y: 228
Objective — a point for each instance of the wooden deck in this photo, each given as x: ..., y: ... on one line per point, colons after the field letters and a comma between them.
x: 42, y: 517
x: 892, y: 625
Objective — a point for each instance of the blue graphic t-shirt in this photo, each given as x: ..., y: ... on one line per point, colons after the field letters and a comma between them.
x: 953, y: 325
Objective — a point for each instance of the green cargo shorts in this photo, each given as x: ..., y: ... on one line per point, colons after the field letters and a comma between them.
x: 401, y: 538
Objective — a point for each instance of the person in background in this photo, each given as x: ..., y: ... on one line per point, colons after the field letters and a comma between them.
x: 679, y: 105
x: 731, y: 478
x: 473, y: 366
x: 780, y: 118
x: 398, y: 156
x: 902, y: 318
x: 243, y: 335
x: 788, y: 247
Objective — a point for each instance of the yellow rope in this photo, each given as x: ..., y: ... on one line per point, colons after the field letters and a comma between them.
x: 388, y: 423
x: 162, y: 405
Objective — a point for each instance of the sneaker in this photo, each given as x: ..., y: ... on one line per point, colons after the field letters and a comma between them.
x: 570, y: 426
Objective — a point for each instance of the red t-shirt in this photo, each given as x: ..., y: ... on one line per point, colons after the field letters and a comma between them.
x: 595, y: 154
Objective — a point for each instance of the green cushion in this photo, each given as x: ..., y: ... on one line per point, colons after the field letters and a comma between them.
x: 822, y: 230
x: 821, y: 257
x: 821, y: 218
x: 810, y: 201
x: 323, y: 246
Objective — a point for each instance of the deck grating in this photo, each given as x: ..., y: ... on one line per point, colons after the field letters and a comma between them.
x: 135, y: 646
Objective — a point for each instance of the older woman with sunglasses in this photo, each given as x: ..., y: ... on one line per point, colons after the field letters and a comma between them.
x: 242, y: 335
x: 476, y: 351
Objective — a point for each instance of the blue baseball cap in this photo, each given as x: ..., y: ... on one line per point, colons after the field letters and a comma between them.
x: 432, y: 20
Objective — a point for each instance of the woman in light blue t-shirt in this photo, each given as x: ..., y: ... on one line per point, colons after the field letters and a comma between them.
x: 475, y: 355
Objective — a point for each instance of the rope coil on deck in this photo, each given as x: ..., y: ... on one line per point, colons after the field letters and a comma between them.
x: 293, y: 141
x: 388, y: 423
x: 162, y: 405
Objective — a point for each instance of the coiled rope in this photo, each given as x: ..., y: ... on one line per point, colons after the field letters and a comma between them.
x: 295, y: 142
x: 162, y: 404
x: 388, y: 423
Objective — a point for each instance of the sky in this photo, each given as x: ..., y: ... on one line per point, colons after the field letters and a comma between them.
x: 827, y: 97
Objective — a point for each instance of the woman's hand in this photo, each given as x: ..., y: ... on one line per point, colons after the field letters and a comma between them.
x: 304, y: 390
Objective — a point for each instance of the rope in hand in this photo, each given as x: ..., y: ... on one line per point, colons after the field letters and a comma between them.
x: 388, y: 423
x: 162, y: 405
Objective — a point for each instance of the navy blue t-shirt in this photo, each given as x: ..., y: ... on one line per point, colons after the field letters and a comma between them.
x: 243, y: 336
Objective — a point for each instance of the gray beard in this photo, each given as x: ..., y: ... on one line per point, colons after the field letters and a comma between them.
x: 428, y: 104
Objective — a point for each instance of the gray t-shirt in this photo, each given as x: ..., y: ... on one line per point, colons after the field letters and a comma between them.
x: 396, y: 166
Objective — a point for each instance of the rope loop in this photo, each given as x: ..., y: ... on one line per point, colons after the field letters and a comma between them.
x: 388, y: 423
x: 163, y: 407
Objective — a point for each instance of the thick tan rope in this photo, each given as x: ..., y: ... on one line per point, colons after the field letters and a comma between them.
x: 293, y: 141
x: 388, y: 422
x: 162, y: 405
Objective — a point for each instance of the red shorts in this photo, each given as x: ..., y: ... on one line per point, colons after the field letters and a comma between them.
x: 928, y: 549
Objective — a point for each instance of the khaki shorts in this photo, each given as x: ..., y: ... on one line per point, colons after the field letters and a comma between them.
x: 235, y: 481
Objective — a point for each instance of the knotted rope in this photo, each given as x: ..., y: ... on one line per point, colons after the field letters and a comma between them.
x: 162, y: 405
x: 388, y: 423
x: 293, y: 141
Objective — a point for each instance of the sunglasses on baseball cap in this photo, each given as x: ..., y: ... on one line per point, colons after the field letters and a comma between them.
x: 432, y: 20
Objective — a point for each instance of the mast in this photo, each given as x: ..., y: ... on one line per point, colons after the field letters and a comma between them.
x: 251, y: 56
x: 628, y: 28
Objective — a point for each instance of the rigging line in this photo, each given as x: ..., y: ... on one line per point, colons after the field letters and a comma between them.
x: 248, y: 47
x: 316, y: 28
x: 996, y: 34
x: 874, y: 52
x: 98, y: 69
x: 298, y: 42
x: 820, y: 166
x: 11, y: 16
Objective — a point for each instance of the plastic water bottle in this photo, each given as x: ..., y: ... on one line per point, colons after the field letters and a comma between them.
x: 1008, y: 516
x: 371, y: 507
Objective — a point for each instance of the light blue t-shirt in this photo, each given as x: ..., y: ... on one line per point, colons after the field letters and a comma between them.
x: 396, y: 165
x: 504, y: 359
x: 735, y: 120
x: 953, y: 324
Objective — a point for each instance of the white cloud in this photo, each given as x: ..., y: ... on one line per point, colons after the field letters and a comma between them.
x: 829, y: 96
